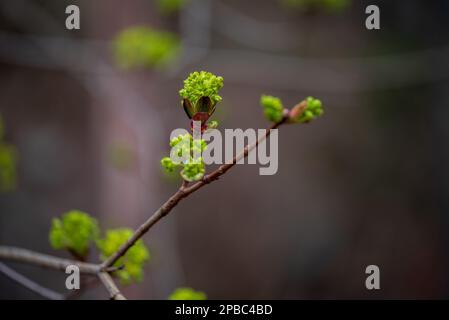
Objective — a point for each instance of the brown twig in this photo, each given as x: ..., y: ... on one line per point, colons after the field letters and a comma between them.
x: 110, y: 286
x: 182, y: 193
x: 102, y: 270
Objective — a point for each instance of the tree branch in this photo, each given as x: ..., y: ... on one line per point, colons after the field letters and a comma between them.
x: 102, y: 270
x: 109, y: 284
x: 182, y: 193
x: 30, y: 284
x: 45, y: 261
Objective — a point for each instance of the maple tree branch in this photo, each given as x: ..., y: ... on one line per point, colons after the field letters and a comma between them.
x: 183, y: 192
x: 102, y: 270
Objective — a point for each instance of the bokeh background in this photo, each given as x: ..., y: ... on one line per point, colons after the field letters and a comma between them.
x: 366, y: 184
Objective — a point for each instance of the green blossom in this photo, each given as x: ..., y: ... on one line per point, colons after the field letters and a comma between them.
x: 272, y: 108
x: 313, y: 110
x: 187, y: 294
x: 134, y: 258
x: 74, y: 231
x: 145, y: 47
x: 202, y: 84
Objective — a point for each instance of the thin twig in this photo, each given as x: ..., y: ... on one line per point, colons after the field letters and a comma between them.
x: 109, y: 284
x: 30, y: 284
x: 101, y: 270
x: 182, y: 193
x: 43, y: 260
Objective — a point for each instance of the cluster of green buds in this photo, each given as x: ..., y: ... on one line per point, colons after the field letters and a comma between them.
x: 305, y: 111
x: 186, y: 154
x: 272, y: 108
x: 132, y: 261
x: 200, y: 96
x: 141, y: 46
x: 76, y: 231
x: 199, y: 99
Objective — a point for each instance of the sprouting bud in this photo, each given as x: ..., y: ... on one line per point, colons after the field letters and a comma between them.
x: 296, y: 112
x: 272, y: 108
x: 200, y: 96
x: 201, y: 84
x: 306, y: 111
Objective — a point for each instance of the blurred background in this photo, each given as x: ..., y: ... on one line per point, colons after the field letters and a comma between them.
x: 86, y: 117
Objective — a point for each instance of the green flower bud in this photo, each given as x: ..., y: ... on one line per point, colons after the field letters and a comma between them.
x: 202, y: 84
x: 74, y: 232
x: 272, y: 108
x: 193, y: 170
x: 313, y: 110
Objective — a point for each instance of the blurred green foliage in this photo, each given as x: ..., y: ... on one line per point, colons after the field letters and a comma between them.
x: 132, y: 261
x: 187, y: 294
x: 144, y: 47
x: 8, y: 160
x: 170, y: 6
x: 121, y: 155
x: 323, y: 5
x: 74, y: 231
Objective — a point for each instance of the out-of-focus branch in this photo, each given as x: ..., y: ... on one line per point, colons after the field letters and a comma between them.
x: 30, y: 284
x: 43, y: 260
x: 51, y: 262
